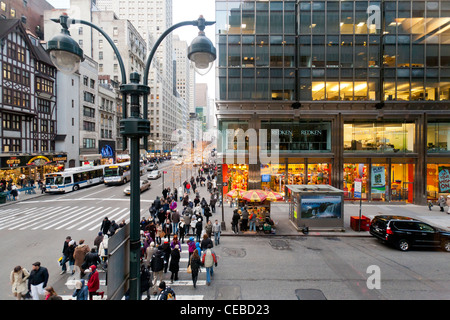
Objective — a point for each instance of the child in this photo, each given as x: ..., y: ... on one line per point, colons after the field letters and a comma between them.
x: 430, y: 204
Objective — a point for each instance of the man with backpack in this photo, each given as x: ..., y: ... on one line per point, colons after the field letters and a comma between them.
x: 209, y: 260
x: 165, y: 292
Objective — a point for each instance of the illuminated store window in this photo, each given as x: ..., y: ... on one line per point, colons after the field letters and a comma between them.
x: 381, y: 137
x: 438, y: 137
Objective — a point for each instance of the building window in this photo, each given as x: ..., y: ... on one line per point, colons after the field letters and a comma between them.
x: 11, y: 122
x: 88, y: 126
x: 88, y: 112
x: 11, y: 145
x: 438, y: 137
x: 88, y: 143
x: 384, y: 137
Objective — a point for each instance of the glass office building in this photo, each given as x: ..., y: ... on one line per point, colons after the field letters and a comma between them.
x: 357, y: 90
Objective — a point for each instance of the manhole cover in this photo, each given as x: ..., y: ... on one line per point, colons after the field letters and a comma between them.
x: 228, y: 293
x: 310, y: 294
x: 234, y: 252
x: 279, y: 244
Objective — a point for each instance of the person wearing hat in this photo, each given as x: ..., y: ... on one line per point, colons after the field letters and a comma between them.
x: 94, y: 283
x: 98, y: 239
x: 38, y: 280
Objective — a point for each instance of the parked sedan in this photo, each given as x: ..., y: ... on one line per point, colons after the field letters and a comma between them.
x: 144, y: 185
x: 155, y: 174
x: 405, y: 232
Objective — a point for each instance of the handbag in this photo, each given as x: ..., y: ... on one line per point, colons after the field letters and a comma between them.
x: 189, y: 270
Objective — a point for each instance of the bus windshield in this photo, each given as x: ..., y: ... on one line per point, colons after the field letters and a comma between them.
x: 111, y: 172
x: 59, y: 180
x: 50, y: 180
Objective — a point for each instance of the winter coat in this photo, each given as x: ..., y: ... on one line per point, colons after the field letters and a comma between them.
x: 157, y: 262
x: 80, y: 253
x: 19, y: 281
x: 81, y: 294
x: 198, y: 227
x: 195, y: 266
x: 209, y: 259
x: 174, y: 265
x: 94, y: 281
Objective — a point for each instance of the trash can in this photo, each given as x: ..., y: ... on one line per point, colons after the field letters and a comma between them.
x: 3, y: 196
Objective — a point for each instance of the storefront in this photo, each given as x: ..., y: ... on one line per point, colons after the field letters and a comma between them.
x: 382, y: 179
x: 21, y: 169
x: 236, y: 176
x: 438, y: 178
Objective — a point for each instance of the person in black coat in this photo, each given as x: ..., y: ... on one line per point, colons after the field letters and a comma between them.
x: 104, y: 228
x: 157, y: 265
x: 198, y: 229
x: 167, y: 251
x: 174, y: 263
x: 145, y: 281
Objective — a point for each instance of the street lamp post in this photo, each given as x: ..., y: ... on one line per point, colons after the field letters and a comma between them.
x: 66, y: 55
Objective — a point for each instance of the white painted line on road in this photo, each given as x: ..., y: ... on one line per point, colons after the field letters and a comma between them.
x: 99, y: 222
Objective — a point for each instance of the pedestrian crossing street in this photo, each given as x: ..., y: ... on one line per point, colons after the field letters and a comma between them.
x: 61, y: 217
x: 181, y: 287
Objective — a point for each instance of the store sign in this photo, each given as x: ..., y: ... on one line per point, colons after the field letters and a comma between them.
x: 13, y: 162
x: 265, y: 178
x: 444, y: 179
x: 378, y: 180
x: 38, y: 161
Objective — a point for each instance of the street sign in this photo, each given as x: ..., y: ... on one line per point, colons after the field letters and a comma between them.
x: 164, y: 171
x: 358, y: 184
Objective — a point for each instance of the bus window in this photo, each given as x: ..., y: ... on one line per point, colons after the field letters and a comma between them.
x: 50, y: 180
x: 59, y: 180
x: 67, y: 180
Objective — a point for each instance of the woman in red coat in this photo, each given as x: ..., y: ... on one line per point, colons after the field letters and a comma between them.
x: 94, y: 283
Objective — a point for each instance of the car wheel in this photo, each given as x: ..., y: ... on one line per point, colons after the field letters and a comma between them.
x: 403, y: 245
x: 446, y: 245
x: 76, y: 187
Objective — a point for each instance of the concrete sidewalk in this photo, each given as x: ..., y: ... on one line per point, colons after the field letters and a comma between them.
x: 284, y: 227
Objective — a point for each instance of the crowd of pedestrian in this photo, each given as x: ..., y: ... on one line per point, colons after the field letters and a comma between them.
x: 174, y: 216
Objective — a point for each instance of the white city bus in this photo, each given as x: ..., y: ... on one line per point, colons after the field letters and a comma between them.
x: 120, y: 173
x: 72, y: 179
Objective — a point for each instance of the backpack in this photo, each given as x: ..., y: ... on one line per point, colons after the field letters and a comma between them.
x: 170, y: 294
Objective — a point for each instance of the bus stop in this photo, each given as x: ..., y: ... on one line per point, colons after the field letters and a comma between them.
x: 315, y: 207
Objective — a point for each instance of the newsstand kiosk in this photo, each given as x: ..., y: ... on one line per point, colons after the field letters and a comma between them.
x: 315, y: 207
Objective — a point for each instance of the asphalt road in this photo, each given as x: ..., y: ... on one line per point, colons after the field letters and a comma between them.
x: 250, y: 268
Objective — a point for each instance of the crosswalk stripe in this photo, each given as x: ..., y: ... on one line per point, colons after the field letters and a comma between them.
x: 26, y: 219
x: 72, y: 224
x: 14, y: 218
x: 64, y: 217
x: 71, y: 219
x: 110, y: 217
x: 66, y: 210
x: 39, y: 220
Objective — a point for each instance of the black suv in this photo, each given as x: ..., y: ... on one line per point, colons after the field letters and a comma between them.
x: 404, y: 232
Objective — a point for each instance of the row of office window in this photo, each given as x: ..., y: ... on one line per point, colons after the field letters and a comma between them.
x: 394, y: 137
x: 326, y: 50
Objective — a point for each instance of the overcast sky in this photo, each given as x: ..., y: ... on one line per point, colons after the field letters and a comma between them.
x: 183, y: 10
